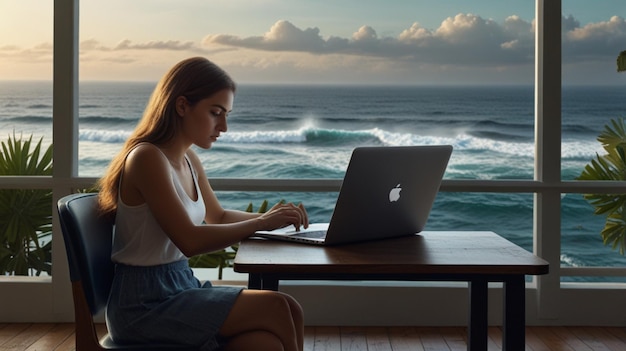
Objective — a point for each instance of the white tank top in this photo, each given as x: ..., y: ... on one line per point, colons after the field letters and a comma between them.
x: 138, y: 240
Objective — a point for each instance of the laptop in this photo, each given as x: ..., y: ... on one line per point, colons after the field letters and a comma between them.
x: 387, y: 191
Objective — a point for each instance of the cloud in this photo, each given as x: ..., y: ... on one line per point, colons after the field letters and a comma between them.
x: 40, y: 53
x: 127, y: 44
x: 467, y: 29
x: 9, y: 48
x: 464, y: 39
x: 92, y: 45
x: 365, y: 34
x: 463, y: 44
x: 282, y: 36
x: 594, y: 40
x: 174, y: 45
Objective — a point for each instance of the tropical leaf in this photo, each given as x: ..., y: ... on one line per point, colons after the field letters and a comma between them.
x: 263, y: 207
x: 25, y: 214
x: 611, y: 166
x: 621, y: 62
x: 614, y: 232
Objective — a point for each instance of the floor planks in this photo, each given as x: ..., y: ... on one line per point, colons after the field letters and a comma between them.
x: 60, y: 337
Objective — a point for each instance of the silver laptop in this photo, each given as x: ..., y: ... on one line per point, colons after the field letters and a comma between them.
x: 387, y: 192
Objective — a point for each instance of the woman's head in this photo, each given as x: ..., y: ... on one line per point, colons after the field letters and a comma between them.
x: 194, y: 79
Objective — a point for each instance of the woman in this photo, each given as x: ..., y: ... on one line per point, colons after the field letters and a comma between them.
x: 165, y: 211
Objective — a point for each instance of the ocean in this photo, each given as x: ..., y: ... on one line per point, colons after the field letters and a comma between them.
x: 301, y: 131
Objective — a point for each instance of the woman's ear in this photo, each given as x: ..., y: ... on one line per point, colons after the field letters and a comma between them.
x: 181, y: 105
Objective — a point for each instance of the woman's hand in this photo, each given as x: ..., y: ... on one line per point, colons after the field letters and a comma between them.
x: 282, y: 215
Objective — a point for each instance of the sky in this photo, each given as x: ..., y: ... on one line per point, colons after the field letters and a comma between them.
x: 414, y: 42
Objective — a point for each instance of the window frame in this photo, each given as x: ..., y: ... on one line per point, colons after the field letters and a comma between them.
x: 53, y: 294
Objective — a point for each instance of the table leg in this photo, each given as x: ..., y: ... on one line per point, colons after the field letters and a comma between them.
x: 254, y: 281
x: 258, y: 281
x: 478, y: 320
x: 269, y: 283
x: 514, y: 332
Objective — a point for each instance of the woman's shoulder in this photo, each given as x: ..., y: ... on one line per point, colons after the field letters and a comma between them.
x: 145, y: 155
x: 145, y: 147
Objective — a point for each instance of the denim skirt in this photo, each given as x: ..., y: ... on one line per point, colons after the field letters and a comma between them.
x: 167, y: 304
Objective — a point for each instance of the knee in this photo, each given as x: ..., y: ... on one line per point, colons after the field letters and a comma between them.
x: 287, y: 303
x: 296, y: 309
x: 279, y: 302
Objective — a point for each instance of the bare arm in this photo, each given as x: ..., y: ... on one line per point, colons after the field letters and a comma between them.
x: 216, y: 214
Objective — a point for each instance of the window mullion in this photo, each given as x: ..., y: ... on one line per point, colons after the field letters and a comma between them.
x: 547, y: 208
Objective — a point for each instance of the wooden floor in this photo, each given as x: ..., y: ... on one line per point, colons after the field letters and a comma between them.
x: 60, y: 337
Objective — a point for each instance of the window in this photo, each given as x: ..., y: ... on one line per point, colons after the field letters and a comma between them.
x: 25, y: 123
x: 592, y: 92
x: 513, y: 178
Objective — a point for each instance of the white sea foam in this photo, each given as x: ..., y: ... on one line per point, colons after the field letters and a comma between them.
x: 308, y: 133
x: 569, y: 261
x: 105, y: 136
x: 253, y: 137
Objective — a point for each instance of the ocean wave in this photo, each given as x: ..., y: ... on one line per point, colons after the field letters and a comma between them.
x: 334, y: 136
x: 104, y: 136
x: 570, y: 261
x: 495, y: 125
x: 109, y: 121
x: 312, y: 136
x: 262, y: 137
x: 498, y: 136
x: 577, y: 129
x: 29, y: 119
x: 40, y: 106
x: 375, y: 136
x: 504, y: 131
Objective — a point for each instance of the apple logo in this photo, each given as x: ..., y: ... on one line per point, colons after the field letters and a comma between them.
x: 394, y: 194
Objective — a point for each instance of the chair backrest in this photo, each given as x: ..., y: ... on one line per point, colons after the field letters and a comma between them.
x: 88, y: 239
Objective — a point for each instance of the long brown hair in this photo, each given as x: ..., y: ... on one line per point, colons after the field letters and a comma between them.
x: 195, y: 78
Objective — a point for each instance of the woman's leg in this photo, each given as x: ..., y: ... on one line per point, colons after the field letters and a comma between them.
x: 298, y: 319
x: 265, y: 312
x: 255, y: 340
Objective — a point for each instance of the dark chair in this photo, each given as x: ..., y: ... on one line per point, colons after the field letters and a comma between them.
x: 88, y: 240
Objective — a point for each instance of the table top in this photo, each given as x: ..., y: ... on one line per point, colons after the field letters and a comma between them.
x: 429, y: 252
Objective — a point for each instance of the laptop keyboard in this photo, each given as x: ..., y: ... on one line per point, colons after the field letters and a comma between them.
x: 316, y: 234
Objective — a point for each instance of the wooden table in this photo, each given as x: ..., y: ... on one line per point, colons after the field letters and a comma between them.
x: 475, y: 257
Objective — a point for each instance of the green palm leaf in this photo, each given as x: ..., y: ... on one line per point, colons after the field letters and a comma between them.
x: 621, y: 62
x: 25, y: 214
x: 611, y: 166
x: 614, y: 233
